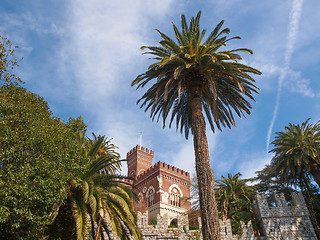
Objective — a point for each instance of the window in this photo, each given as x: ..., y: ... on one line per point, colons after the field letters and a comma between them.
x: 175, y: 200
x: 150, y: 197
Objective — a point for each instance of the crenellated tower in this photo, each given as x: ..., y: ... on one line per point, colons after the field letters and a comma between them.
x: 139, y: 160
x: 160, y: 187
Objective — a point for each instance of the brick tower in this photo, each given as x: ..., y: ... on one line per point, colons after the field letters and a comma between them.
x: 161, y: 188
x: 139, y: 159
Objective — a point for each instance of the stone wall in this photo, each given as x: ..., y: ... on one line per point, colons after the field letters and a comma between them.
x: 282, y: 219
x: 162, y: 231
x: 279, y: 219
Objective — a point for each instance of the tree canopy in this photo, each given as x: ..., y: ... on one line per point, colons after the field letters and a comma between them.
x: 7, y: 62
x: 38, y: 155
x: 297, y: 152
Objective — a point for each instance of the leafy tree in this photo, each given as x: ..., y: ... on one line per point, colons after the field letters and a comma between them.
x: 191, y: 76
x: 77, y: 124
x: 98, y: 193
x: 39, y: 154
x: 269, y: 183
x: 297, y: 152
x: 235, y: 199
x: 233, y: 190
x: 8, y: 62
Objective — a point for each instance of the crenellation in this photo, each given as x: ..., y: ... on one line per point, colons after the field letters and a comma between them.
x: 283, y: 221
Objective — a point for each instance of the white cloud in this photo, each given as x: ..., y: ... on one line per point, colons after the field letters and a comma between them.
x: 293, y: 29
x: 184, y: 157
x: 103, y: 43
x: 254, y: 162
x: 296, y: 83
x: 291, y: 38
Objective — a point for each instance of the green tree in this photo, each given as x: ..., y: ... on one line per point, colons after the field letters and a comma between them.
x: 235, y: 199
x: 297, y: 152
x: 231, y: 190
x: 270, y: 183
x: 191, y: 76
x: 39, y: 154
x: 77, y: 125
x: 8, y: 62
x: 98, y: 193
x: 295, y: 166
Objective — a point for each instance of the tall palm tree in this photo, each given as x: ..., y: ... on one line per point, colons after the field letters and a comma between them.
x: 297, y: 152
x: 192, y: 75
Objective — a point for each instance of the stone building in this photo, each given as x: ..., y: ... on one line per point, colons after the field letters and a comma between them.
x: 161, y: 188
x: 164, y: 195
x: 282, y: 219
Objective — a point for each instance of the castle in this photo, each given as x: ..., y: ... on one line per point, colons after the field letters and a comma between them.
x: 161, y: 188
x: 164, y: 195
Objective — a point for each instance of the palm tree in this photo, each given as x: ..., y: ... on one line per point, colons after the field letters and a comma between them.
x: 99, y: 194
x: 191, y: 75
x: 233, y: 191
x: 297, y: 152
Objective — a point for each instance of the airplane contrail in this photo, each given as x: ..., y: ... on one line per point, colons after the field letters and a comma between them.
x: 291, y: 39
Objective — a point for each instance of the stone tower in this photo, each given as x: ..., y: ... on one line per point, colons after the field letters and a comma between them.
x: 281, y: 219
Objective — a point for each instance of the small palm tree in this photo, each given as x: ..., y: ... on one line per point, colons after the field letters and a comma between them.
x: 192, y: 75
x: 297, y: 152
x: 233, y: 190
x: 99, y: 194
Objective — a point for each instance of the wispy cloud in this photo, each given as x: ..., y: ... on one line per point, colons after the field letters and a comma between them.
x: 291, y: 39
x: 257, y: 161
x: 102, y: 43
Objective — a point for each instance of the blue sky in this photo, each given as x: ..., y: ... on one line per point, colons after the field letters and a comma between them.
x: 81, y: 56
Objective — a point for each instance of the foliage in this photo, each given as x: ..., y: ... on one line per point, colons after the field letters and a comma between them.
x: 77, y: 124
x: 297, y: 152
x: 270, y: 183
x: 235, y: 199
x: 179, y: 67
x: 190, y: 75
x: 38, y: 155
x: 98, y: 193
x: 173, y: 223
x: 153, y: 221
x: 8, y: 62
x: 295, y: 165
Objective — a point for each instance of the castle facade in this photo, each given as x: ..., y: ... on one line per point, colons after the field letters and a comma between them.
x: 161, y: 188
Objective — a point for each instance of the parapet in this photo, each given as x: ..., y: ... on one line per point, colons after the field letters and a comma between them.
x: 163, y: 166
x: 173, y: 169
x: 140, y: 148
x: 278, y: 205
x: 148, y: 172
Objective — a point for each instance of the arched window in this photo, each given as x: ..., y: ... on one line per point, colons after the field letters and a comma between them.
x: 175, y: 200
x: 150, y: 197
x: 175, y: 195
x: 140, y: 197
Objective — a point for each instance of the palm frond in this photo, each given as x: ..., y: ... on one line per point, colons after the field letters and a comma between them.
x: 189, y: 62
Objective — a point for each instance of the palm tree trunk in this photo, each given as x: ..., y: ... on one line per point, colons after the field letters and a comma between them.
x: 314, y: 170
x: 208, y: 205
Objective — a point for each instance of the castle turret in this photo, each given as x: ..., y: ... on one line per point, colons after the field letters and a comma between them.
x: 139, y: 159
